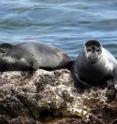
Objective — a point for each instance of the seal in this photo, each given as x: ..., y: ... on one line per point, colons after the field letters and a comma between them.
x: 94, y: 65
x: 31, y: 56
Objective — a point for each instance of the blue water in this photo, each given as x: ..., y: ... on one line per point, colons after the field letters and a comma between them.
x: 64, y: 23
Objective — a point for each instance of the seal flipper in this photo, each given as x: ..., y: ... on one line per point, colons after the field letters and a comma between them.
x: 79, y: 83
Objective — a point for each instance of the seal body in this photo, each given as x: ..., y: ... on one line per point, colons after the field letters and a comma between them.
x: 94, y: 65
x: 31, y: 56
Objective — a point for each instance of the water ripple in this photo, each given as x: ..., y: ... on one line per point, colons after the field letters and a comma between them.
x: 66, y: 24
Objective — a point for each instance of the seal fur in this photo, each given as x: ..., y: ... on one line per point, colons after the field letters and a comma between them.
x: 31, y: 56
x: 94, y: 66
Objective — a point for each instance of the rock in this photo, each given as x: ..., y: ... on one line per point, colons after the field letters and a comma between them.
x: 49, y: 97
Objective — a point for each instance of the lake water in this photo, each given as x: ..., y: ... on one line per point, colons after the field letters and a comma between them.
x: 64, y: 23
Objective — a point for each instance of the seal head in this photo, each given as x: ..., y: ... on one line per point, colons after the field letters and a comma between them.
x: 92, y: 51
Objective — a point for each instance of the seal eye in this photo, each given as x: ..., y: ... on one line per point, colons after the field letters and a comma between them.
x: 89, y: 50
x: 98, y: 50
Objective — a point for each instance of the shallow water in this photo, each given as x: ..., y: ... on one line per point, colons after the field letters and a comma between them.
x: 66, y: 24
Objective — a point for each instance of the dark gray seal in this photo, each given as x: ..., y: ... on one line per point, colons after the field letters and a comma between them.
x: 31, y: 56
x: 94, y: 66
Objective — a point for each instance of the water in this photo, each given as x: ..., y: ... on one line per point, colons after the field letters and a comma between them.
x: 66, y: 24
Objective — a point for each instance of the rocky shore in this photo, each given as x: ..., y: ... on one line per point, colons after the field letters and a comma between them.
x: 49, y: 97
